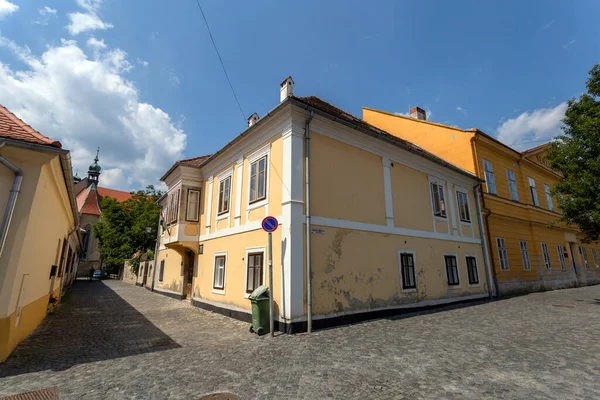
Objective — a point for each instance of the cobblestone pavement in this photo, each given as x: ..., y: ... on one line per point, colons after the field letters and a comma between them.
x: 111, y: 340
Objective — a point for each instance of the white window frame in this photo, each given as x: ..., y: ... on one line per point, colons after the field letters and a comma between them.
x: 585, y: 257
x: 466, y: 198
x: 187, y: 206
x: 455, y: 255
x: 525, y: 255
x: 476, y: 267
x: 549, y: 197
x: 546, y: 255
x: 228, y: 173
x: 251, y: 250
x: 500, y: 249
x: 512, y: 184
x: 414, y: 256
x: 595, y: 257
x: 489, y: 183
x: 439, y: 184
x: 257, y: 155
x: 533, y: 191
x: 561, y: 257
x: 219, y: 254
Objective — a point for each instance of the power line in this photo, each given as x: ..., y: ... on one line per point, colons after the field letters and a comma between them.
x: 220, y: 59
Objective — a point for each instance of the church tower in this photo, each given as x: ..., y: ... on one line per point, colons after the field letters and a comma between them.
x: 94, y: 171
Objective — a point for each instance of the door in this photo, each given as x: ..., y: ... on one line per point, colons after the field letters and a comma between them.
x: 188, y: 274
x: 145, y: 276
x: 575, y: 258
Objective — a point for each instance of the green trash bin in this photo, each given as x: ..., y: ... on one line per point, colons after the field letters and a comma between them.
x: 260, y: 310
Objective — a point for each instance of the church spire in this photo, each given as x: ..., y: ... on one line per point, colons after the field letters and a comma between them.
x: 94, y: 171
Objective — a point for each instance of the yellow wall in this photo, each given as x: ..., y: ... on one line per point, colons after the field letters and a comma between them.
x: 356, y: 270
x: 410, y: 194
x: 352, y: 179
x: 173, y: 272
x: 446, y: 142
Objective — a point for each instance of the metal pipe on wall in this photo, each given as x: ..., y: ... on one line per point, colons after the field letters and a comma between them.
x: 307, y: 203
x: 12, y: 200
x: 486, y: 254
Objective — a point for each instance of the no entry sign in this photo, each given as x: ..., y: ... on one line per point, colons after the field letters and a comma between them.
x: 269, y: 224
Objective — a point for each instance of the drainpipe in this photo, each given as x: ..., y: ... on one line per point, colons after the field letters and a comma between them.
x: 307, y: 202
x: 12, y: 200
x: 486, y: 254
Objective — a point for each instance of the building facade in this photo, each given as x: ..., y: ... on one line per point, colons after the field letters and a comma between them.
x: 89, y: 195
x: 390, y: 226
x: 529, y: 250
x: 39, y: 240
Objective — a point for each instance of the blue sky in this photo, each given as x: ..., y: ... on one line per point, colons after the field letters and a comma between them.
x: 141, y: 79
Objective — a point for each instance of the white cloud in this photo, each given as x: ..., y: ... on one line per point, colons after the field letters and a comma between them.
x: 86, y: 102
x: 547, y: 25
x: 96, y: 44
x: 462, y: 110
x: 541, y: 124
x: 143, y: 63
x: 45, y: 14
x: 7, y: 8
x: 567, y: 45
x: 174, y: 79
x: 88, y: 21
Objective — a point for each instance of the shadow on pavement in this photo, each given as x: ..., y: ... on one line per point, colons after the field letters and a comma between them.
x: 94, y: 324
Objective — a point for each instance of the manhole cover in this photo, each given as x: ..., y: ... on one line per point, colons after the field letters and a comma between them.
x: 220, y: 396
x: 562, y: 306
x: 44, y: 394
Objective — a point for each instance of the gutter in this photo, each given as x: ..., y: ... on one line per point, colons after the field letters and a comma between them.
x: 484, y: 247
x: 12, y: 200
x: 308, y: 227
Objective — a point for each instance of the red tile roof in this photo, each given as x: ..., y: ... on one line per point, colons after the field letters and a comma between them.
x: 115, y: 194
x: 88, y: 203
x: 191, y: 162
x: 536, y: 148
x: 12, y: 127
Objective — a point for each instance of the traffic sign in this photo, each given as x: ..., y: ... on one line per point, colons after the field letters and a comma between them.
x: 269, y: 224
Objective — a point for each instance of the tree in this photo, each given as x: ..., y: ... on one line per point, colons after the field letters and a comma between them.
x: 123, y: 232
x: 576, y: 155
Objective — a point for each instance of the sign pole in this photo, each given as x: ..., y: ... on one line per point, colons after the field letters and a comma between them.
x: 271, y: 323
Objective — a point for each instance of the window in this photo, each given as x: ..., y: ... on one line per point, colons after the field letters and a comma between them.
x: 549, y: 197
x: 472, y: 270
x: 173, y: 206
x: 62, y: 257
x: 502, y: 254
x: 219, y: 273
x: 193, y: 201
x: 224, y: 195
x: 161, y: 271
x: 546, y: 256
x: 525, y: 255
x: 490, y: 181
x: 534, y: 197
x: 258, y: 180
x: 438, y: 200
x: 463, y: 206
x: 407, y: 265
x: 595, y: 256
x: 561, y: 257
x: 254, y: 277
x: 452, y: 270
x: 585, y: 257
x: 512, y: 185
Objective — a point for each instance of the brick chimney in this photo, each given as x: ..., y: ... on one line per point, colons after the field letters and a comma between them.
x: 287, y: 88
x: 418, y: 113
x: 253, y: 119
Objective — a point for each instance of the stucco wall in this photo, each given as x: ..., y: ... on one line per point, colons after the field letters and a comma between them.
x: 173, y: 271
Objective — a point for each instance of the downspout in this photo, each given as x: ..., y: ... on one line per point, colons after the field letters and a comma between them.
x: 486, y: 231
x: 307, y: 202
x: 486, y: 254
x: 12, y: 200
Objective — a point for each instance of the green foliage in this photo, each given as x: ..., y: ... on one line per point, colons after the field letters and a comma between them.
x: 576, y: 155
x: 122, y: 229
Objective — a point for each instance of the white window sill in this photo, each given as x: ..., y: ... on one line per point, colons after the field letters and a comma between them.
x: 475, y: 285
x: 219, y: 291
x: 437, y: 218
x: 222, y: 216
x: 465, y: 223
x: 409, y: 290
x: 455, y: 286
x: 258, y: 204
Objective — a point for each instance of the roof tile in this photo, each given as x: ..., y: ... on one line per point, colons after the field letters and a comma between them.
x: 12, y: 127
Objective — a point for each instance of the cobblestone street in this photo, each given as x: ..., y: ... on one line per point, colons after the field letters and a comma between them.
x: 110, y: 340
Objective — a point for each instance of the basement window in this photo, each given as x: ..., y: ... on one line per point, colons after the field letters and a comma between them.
x: 472, y: 270
x: 407, y: 266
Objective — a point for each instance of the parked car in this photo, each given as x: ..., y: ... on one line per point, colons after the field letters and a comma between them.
x: 99, y: 274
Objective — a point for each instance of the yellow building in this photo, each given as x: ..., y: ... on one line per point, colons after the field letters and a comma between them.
x: 39, y: 241
x: 389, y: 226
x: 528, y: 254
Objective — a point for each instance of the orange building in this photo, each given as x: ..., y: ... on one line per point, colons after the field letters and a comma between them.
x: 526, y: 252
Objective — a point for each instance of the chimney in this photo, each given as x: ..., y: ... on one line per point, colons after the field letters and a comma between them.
x: 418, y: 113
x: 287, y: 88
x: 253, y: 119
